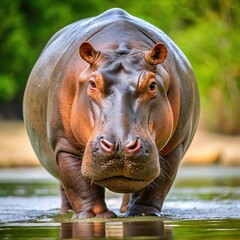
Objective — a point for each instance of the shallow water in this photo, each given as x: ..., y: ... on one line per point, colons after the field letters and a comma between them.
x: 203, y: 204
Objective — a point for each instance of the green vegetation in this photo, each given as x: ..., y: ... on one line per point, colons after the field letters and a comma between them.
x: 206, y: 31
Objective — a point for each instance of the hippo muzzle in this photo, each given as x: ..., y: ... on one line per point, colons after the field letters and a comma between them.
x: 121, y: 166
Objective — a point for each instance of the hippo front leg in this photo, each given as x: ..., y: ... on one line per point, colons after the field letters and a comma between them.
x: 86, y: 199
x: 149, y: 201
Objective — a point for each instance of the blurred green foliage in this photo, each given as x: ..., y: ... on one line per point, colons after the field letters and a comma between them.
x: 207, y: 31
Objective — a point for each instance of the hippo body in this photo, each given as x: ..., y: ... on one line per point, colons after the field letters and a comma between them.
x: 111, y: 103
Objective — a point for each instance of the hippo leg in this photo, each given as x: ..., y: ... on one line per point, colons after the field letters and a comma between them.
x: 148, y: 201
x: 125, y: 202
x: 65, y: 206
x: 86, y: 199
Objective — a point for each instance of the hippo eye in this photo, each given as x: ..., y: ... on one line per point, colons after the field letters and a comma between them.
x: 152, y: 86
x: 92, y: 84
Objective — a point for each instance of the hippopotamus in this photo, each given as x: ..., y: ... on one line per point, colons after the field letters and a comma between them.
x: 112, y: 103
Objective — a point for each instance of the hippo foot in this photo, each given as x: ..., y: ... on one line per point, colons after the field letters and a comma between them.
x: 142, y: 210
x: 106, y: 214
x: 90, y: 214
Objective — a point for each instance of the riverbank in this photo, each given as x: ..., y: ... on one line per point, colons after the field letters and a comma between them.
x: 206, y: 148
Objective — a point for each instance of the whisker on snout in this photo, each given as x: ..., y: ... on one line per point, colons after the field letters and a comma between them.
x: 153, y: 185
x: 164, y: 164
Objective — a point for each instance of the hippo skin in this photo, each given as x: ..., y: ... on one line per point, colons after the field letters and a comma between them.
x: 111, y: 103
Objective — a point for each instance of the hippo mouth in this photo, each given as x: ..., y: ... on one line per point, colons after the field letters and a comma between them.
x: 122, y: 184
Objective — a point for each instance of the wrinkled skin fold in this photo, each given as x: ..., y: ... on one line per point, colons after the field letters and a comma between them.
x: 111, y: 103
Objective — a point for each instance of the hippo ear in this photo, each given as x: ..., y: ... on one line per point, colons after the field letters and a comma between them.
x: 87, y: 52
x: 157, y: 55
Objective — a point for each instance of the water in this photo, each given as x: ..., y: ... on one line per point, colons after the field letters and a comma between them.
x: 203, y: 204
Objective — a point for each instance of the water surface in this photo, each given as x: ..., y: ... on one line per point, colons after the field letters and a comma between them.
x: 203, y: 204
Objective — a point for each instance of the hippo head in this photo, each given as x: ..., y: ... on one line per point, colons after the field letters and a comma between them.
x: 122, y: 115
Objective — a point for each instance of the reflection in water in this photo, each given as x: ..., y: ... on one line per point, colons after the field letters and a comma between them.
x: 119, y: 230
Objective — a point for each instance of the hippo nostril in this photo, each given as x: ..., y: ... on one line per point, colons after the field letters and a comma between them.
x: 134, y: 146
x: 106, y: 146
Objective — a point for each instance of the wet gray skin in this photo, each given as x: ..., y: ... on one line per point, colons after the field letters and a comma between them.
x: 204, y: 202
